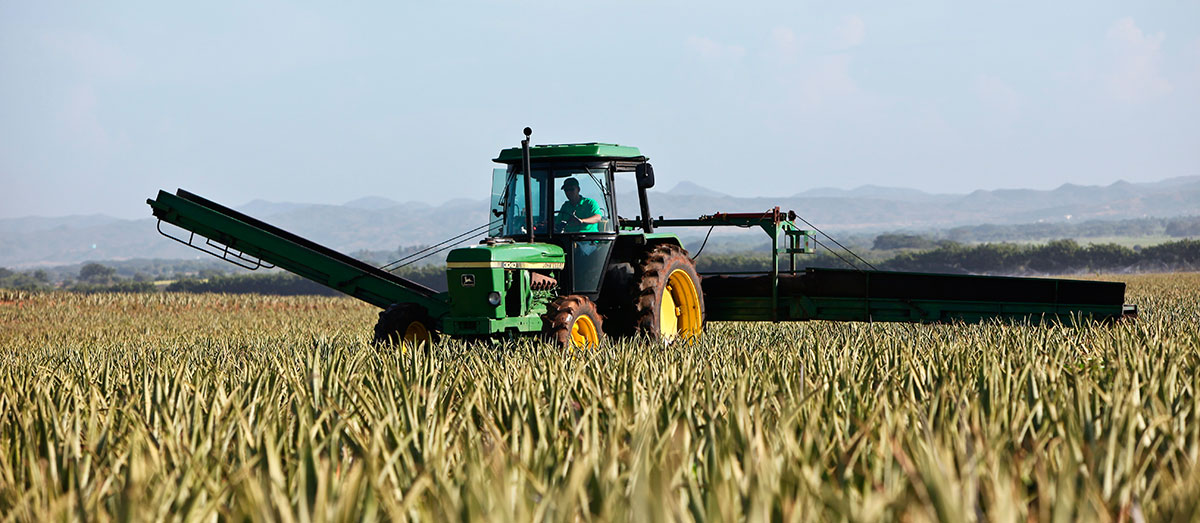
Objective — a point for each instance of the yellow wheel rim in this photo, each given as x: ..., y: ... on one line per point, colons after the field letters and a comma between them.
x: 583, y: 333
x: 668, y: 320
x: 415, y: 335
x: 679, y: 312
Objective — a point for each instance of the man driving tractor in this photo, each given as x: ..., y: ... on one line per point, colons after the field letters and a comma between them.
x: 579, y: 213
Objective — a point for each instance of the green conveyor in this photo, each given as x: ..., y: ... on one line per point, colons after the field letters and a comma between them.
x: 251, y: 243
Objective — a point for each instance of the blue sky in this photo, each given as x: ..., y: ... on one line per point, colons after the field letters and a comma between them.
x: 102, y: 104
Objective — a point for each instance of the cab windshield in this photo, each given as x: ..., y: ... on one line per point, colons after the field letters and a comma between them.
x: 579, y: 196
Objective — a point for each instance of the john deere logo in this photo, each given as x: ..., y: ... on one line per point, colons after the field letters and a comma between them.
x: 468, y: 280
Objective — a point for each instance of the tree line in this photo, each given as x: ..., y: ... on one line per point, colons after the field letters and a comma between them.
x: 96, y: 277
x: 1178, y: 227
x: 93, y: 277
x: 1054, y: 257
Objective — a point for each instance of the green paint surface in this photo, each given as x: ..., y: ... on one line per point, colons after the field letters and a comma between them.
x: 570, y: 150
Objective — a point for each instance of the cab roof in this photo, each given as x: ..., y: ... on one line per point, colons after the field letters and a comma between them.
x: 600, y: 151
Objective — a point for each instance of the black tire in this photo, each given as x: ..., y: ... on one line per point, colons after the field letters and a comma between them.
x: 666, y: 265
x: 573, y: 322
x: 400, y: 319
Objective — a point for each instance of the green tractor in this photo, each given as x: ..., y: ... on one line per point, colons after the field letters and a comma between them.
x: 559, y: 262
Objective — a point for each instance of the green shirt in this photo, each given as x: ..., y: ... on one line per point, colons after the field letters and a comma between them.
x: 586, y: 208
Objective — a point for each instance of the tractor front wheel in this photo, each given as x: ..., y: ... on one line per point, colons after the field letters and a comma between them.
x: 668, y: 302
x: 406, y: 325
x: 572, y: 322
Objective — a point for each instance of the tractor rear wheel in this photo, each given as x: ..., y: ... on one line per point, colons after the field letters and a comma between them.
x: 572, y: 322
x: 668, y: 302
x: 406, y: 325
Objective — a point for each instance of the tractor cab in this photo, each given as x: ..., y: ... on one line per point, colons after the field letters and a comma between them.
x: 566, y: 199
x: 572, y: 200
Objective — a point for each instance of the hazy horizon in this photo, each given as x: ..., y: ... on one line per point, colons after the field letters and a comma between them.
x: 630, y: 189
x: 102, y: 105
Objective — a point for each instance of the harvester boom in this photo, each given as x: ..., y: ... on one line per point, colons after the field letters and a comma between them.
x: 872, y: 295
x: 253, y: 241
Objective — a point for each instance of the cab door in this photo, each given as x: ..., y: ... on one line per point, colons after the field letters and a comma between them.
x: 587, y: 258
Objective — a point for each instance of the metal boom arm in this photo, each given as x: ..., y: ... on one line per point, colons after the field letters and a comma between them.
x: 256, y: 241
x: 872, y: 295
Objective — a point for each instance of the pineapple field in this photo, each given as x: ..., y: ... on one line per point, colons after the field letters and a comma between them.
x: 220, y: 407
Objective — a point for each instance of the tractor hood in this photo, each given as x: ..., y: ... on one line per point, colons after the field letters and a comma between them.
x: 508, y: 256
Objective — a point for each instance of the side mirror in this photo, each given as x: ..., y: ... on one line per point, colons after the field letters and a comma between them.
x: 645, y: 176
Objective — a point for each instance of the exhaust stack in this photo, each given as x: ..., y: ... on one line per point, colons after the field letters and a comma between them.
x: 528, y: 183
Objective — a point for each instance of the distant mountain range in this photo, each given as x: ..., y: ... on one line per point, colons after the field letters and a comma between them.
x: 378, y: 223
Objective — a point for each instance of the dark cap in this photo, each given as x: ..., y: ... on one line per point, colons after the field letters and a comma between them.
x: 570, y: 183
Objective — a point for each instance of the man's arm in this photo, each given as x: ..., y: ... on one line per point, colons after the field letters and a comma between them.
x: 593, y: 208
x: 595, y: 218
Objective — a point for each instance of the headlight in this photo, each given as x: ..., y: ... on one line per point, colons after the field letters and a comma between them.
x: 494, y: 298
